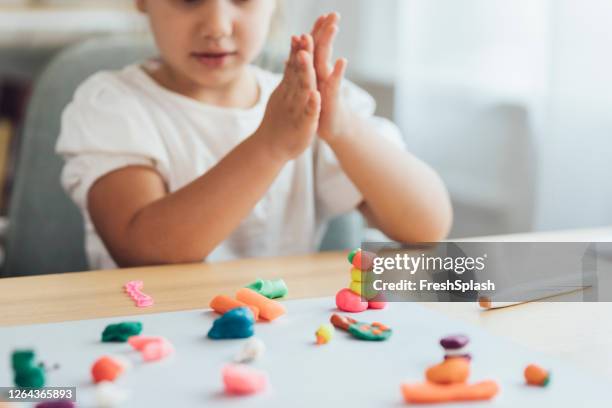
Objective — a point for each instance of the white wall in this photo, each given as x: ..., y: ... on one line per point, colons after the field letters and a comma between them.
x: 368, y: 33
x: 549, y: 57
x: 576, y: 164
x: 368, y: 39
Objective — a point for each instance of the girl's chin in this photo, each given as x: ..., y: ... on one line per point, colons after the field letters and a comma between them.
x: 215, y: 77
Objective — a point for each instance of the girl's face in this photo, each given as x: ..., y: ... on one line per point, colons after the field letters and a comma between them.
x: 208, y: 42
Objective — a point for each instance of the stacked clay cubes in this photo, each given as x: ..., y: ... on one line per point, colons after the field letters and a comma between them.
x: 359, y: 296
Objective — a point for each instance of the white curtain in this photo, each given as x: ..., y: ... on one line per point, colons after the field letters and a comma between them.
x: 512, y: 102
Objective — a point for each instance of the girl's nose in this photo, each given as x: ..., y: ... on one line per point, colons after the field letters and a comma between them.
x: 216, y: 21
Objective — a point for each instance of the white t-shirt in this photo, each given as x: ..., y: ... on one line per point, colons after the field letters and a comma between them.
x: 124, y: 118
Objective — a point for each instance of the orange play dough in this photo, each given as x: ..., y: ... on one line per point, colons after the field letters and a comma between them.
x: 450, y: 371
x: 268, y: 309
x: 222, y: 304
x: 536, y: 375
x: 430, y: 393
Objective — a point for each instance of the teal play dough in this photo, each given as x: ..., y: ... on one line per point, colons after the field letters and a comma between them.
x: 235, y: 324
x: 271, y: 289
x: 358, y: 331
x: 120, y: 332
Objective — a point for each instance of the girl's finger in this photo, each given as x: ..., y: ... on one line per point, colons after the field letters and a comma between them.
x: 333, y: 18
x: 324, y: 50
x: 330, y: 19
x: 317, y: 25
x: 308, y: 76
x: 338, y: 73
x: 322, y: 22
x: 304, y: 42
x: 294, y: 50
x: 309, y: 44
x: 291, y: 64
x: 314, y: 103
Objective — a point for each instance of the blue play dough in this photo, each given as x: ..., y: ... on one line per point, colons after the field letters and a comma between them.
x: 235, y: 324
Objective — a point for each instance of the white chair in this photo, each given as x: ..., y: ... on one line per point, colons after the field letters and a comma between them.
x: 483, y: 149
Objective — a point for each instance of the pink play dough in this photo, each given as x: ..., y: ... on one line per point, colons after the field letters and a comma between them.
x: 139, y: 342
x: 348, y: 301
x: 378, y: 302
x: 241, y: 379
x: 151, y: 348
x: 376, y: 305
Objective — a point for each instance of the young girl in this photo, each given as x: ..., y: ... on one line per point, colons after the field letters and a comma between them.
x: 200, y: 155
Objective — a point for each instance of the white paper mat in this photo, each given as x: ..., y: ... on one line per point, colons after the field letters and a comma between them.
x: 344, y: 373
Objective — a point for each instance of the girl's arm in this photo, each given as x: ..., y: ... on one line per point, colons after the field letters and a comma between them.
x: 141, y: 224
x: 403, y: 196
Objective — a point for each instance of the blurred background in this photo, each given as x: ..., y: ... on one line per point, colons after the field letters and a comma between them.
x: 510, y: 101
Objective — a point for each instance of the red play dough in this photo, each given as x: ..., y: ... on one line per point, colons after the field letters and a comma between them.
x: 348, y: 301
x: 363, y: 260
x: 106, y: 369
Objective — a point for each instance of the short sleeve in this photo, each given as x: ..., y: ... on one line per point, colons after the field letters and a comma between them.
x: 336, y: 193
x: 103, y: 129
x: 81, y: 171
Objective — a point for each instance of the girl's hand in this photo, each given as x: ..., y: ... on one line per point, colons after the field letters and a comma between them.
x: 292, y: 115
x: 335, y: 118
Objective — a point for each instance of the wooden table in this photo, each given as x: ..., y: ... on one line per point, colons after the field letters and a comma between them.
x: 578, y: 332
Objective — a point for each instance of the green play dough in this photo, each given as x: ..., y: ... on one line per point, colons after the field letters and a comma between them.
x: 356, y: 331
x: 351, y: 255
x: 547, y: 380
x: 22, y: 359
x: 34, y: 377
x: 120, y: 332
x: 27, y: 373
x: 271, y: 289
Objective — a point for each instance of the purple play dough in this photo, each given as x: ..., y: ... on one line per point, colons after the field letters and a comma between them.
x: 454, y: 342
x: 56, y: 404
